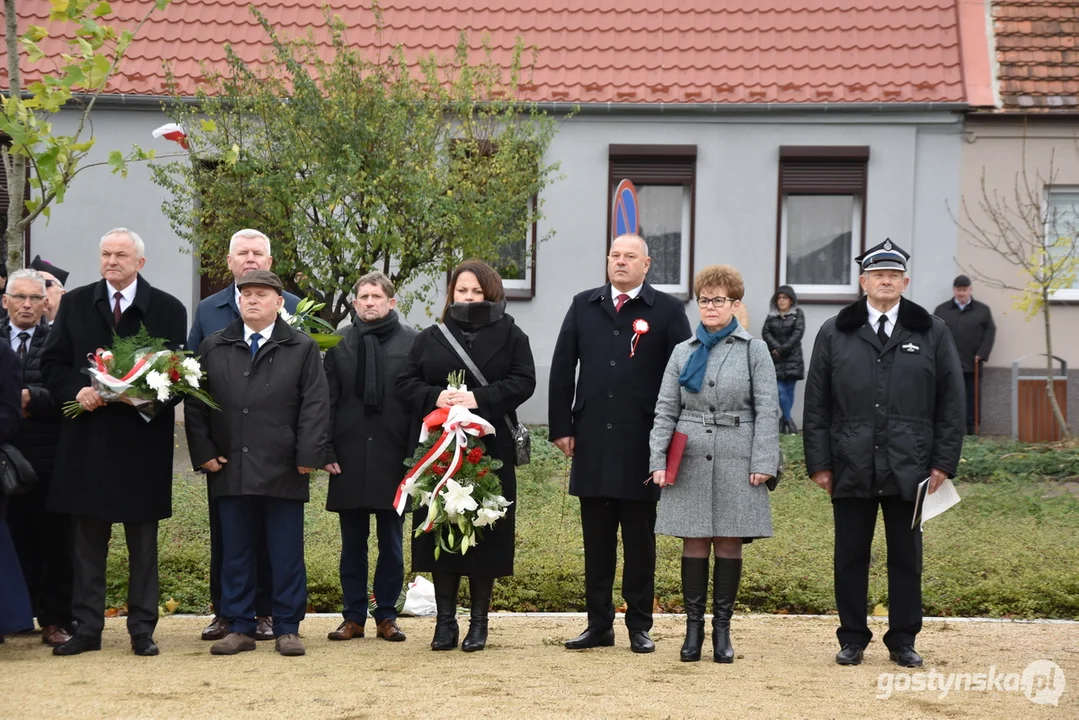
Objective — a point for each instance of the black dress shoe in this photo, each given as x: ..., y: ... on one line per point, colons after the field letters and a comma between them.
x: 264, y: 628
x: 78, y: 644
x: 144, y: 645
x: 905, y: 656
x: 639, y: 642
x: 591, y: 638
x: 850, y: 655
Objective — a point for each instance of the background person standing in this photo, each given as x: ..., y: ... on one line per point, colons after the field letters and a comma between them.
x: 783, y: 331
x: 974, y: 331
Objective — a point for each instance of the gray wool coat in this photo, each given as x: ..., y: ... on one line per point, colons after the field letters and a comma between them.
x: 730, y: 434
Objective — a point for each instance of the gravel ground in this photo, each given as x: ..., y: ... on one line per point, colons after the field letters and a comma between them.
x: 784, y: 668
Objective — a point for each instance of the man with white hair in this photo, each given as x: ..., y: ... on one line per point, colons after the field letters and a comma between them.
x: 112, y: 466
x: 248, y: 250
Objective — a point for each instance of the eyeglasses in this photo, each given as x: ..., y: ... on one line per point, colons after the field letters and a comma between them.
x: 716, y: 302
x: 23, y: 298
x: 50, y: 283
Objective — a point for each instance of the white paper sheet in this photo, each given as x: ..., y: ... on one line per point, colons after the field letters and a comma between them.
x: 928, y: 506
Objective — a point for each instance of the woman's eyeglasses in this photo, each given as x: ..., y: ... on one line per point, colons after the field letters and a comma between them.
x: 716, y: 302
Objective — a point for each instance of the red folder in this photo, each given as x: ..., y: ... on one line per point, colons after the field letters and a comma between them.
x: 674, y: 456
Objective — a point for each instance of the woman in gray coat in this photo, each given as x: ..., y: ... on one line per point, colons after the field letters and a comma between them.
x: 719, y: 390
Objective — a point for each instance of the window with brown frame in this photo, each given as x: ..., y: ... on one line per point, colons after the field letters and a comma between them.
x: 665, y: 177
x: 821, y: 219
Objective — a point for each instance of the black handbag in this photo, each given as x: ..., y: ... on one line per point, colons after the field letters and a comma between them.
x: 17, y: 476
x: 522, y: 440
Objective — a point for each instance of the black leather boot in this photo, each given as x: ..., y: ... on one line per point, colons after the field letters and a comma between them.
x: 694, y: 595
x: 725, y: 578
x: 791, y: 427
x: 783, y: 427
x: 446, y: 632
x: 480, y: 588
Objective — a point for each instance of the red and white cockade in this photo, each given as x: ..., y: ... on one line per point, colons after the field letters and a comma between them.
x: 640, y: 327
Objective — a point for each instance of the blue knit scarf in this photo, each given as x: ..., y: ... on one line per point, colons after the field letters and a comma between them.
x: 693, y: 373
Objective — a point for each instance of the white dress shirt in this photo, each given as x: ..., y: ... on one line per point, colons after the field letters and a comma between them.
x: 264, y: 332
x: 127, y: 295
x: 632, y: 293
x: 15, y: 341
x: 874, y: 318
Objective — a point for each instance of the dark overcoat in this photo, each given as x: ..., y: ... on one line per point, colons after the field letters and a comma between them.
x: 612, y: 412
x: 972, y: 329
x: 370, y: 445
x: 111, y: 464
x: 502, y: 353
x: 219, y: 311
x: 40, y: 430
x: 880, y: 418
x: 274, y: 413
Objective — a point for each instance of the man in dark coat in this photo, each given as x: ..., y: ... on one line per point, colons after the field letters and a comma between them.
x: 248, y: 250
x: 883, y: 412
x: 371, y: 431
x: 42, y: 538
x: 974, y: 331
x: 621, y: 336
x: 54, y: 285
x: 112, y: 466
x: 259, y: 450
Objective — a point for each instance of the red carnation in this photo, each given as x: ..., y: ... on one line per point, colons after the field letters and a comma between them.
x: 440, y: 469
x: 445, y: 457
x: 174, y: 375
x: 474, y: 455
x: 482, y: 473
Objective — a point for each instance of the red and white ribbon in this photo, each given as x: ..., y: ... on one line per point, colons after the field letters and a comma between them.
x: 457, y: 424
x: 640, y: 327
x: 99, y: 369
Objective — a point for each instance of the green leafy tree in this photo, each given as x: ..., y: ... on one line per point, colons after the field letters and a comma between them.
x: 74, y: 79
x: 351, y: 165
x: 1039, y: 241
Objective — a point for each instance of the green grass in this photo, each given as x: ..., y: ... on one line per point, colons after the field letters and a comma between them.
x: 1009, y: 549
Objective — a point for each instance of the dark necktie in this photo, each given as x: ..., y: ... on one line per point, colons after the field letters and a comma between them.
x: 882, y: 335
x: 621, y: 301
x: 24, y: 338
x: 116, y: 311
x: 255, y: 337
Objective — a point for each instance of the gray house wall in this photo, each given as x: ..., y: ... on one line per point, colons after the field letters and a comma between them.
x: 913, y: 176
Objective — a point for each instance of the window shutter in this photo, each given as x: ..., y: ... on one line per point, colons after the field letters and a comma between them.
x: 657, y: 164
x: 823, y: 170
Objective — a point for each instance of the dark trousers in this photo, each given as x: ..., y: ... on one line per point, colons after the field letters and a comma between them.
x: 786, y: 397
x: 91, y: 553
x: 44, y: 543
x: 389, y: 568
x: 600, y: 520
x: 968, y: 382
x: 855, y: 520
x: 263, y: 577
x: 248, y: 521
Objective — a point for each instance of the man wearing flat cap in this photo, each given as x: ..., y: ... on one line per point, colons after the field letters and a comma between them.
x: 55, y: 278
x: 883, y: 412
x: 259, y: 450
x: 974, y: 331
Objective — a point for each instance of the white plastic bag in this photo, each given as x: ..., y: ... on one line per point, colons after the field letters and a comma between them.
x: 420, y: 597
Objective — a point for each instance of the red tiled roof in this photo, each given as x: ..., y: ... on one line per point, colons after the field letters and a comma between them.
x: 597, y: 51
x: 1037, y: 53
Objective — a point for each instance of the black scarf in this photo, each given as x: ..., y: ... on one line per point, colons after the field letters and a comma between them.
x: 470, y: 317
x: 369, y: 375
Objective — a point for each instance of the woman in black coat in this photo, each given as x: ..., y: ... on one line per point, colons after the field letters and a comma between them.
x: 783, y: 331
x: 475, y: 315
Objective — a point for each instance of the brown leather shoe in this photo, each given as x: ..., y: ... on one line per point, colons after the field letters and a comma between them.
x: 289, y: 645
x: 264, y: 629
x: 216, y: 630
x: 233, y: 643
x: 347, y: 630
x: 54, y: 635
x: 388, y: 630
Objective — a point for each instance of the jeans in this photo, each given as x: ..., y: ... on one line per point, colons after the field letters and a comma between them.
x: 786, y: 397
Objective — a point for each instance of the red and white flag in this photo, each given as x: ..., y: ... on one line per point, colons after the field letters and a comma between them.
x: 174, y: 132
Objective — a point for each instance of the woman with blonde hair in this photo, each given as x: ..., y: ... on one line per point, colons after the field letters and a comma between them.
x: 719, y: 390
